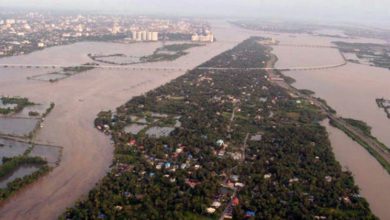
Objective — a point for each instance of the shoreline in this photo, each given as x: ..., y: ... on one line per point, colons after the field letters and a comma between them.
x: 87, y: 153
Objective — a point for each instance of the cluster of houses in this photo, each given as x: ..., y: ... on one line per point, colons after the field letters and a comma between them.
x: 22, y: 33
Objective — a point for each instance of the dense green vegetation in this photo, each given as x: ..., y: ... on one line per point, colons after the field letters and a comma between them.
x: 363, y: 126
x: 165, y: 53
x: 289, y: 173
x: 11, y: 164
x: 169, y: 52
x: 366, y: 129
x: 76, y: 69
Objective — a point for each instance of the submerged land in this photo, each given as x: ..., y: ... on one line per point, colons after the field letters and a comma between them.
x: 231, y: 137
x: 245, y: 147
x: 23, y: 161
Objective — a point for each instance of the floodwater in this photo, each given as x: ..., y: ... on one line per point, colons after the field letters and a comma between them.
x: 49, y: 77
x: 134, y: 128
x: 351, y: 90
x: 6, y: 106
x: 157, y: 132
x: 372, y: 179
x: 10, y: 148
x: 17, y: 126
x: 38, y: 108
x: 87, y: 153
x: 50, y: 153
x: 20, y: 172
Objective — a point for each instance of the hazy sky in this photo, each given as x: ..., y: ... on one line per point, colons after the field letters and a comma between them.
x: 378, y: 10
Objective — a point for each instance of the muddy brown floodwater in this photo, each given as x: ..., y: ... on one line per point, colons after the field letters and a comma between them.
x: 351, y: 90
x: 87, y: 154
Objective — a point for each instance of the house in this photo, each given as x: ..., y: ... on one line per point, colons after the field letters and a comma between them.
x: 239, y: 185
x: 132, y: 142
x: 118, y: 207
x: 234, y: 178
x: 191, y: 183
x: 235, y: 201
x: 216, y: 204
x: 220, y: 143
x: 249, y: 214
x: 210, y: 210
x: 221, y: 153
x: 230, y: 184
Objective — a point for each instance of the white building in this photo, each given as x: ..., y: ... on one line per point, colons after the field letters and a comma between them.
x: 149, y: 36
x: 154, y: 36
x: 41, y: 45
x: 203, y: 38
x: 144, y: 36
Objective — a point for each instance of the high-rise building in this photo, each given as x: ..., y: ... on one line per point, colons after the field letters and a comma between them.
x: 139, y: 36
x: 203, y: 38
x: 144, y: 36
x: 149, y: 36
x: 154, y: 36
x: 134, y: 35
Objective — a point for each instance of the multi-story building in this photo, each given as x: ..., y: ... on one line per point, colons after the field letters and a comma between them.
x: 203, y: 38
x: 144, y: 36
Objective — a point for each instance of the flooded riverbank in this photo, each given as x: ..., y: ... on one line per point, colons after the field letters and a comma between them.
x: 351, y: 90
x: 20, y: 172
x: 370, y: 176
x: 87, y: 154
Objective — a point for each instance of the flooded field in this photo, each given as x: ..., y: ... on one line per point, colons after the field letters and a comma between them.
x: 17, y: 126
x: 87, y: 154
x: 20, y: 172
x: 50, y: 153
x: 38, y: 108
x: 10, y: 148
x: 5, y: 106
x: 157, y: 132
x: 49, y: 77
x: 134, y: 128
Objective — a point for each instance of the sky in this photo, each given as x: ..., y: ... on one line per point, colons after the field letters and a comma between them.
x: 346, y: 10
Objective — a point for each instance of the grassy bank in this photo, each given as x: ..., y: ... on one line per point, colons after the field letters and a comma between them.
x: 12, y: 164
x: 372, y: 151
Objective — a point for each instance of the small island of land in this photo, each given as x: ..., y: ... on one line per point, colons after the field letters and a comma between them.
x: 385, y: 104
x: 165, y: 53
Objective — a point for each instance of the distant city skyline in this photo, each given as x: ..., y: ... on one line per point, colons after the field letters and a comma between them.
x: 313, y: 10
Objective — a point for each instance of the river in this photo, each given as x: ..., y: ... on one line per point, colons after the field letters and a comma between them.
x: 87, y: 153
x: 351, y: 90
